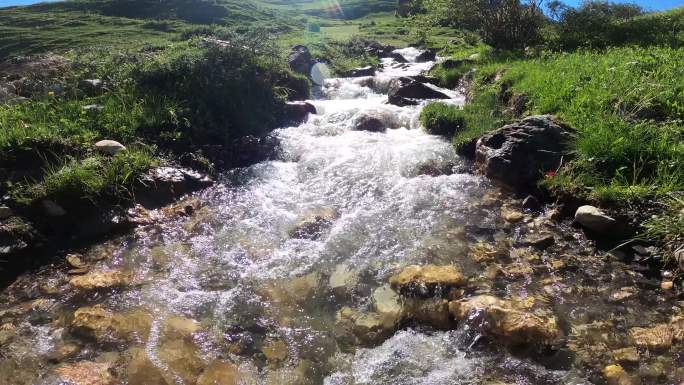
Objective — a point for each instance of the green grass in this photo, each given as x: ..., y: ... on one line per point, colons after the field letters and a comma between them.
x: 626, y: 104
x: 442, y: 119
x: 93, y: 178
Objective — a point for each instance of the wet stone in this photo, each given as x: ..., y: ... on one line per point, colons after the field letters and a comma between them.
x: 426, y: 281
x: 658, y: 337
x: 628, y: 355
x: 511, y: 215
x: 388, y: 304
x: 101, y: 280
x: 64, y: 351
x: 508, y: 321
x: 177, y: 328
x: 432, y: 311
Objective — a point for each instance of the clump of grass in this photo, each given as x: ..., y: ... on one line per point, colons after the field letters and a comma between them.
x: 93, y: 178
x: 667, y: 228
x: 442, y: 119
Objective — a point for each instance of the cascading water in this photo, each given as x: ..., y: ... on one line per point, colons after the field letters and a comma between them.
x: 261, y: 297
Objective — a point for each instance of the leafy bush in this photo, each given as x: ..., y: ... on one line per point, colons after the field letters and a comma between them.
x: 442, y: 119
x: 503, y: 24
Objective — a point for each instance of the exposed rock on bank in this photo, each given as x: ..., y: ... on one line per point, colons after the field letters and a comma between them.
x: 519, y: 154
x: 300, y: 60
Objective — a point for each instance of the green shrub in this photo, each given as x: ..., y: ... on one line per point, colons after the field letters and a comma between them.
x: 225, y: 92
x: 442, y: 119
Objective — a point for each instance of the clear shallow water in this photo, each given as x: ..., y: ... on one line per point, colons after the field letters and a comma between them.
x: 261, y: 298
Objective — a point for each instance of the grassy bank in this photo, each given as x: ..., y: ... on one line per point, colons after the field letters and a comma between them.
x: 626, y: 104
x: 170, y: 100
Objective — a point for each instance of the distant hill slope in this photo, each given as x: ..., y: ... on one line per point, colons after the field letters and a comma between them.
x: 334, y: 9
x: 124, y: 23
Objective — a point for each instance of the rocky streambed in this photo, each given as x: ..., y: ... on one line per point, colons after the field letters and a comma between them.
x: 365, y: 254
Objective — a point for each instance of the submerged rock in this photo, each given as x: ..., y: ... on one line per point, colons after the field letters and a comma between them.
x: 508, y: 321
x: 431, y: 311
x: 353, y: 328
x: 628, y: 355
x: 313, y: 222
x: 111, y: 147
x: 369, y: 122
x: 426, y: 281
x: 104, y: 326
x: 388, y: 305
x: 225, y: 373
x: 86, y: 373
x: 275, y: 351
x: 343, y: 280
x: 519, y: 154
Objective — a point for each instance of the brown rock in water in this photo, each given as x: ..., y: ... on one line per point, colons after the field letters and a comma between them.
x: 511, y: 215
x: 658, y: 337
x: 628, y: 355
x: 105, y: 326
x: 86, y: 373
x: 508, y: 321
x: 426, y: 281
x: 313, y: 222
x: 616, y: 375
x: 142, y: 371
x: 101, y: 280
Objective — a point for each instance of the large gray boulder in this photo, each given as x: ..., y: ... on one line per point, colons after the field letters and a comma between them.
x: 426, y: 56
x: 300, y: 60
x: 519, y: 154
x: 404, y: 90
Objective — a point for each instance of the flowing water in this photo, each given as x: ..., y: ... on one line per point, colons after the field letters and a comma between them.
x: 233, y: 283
